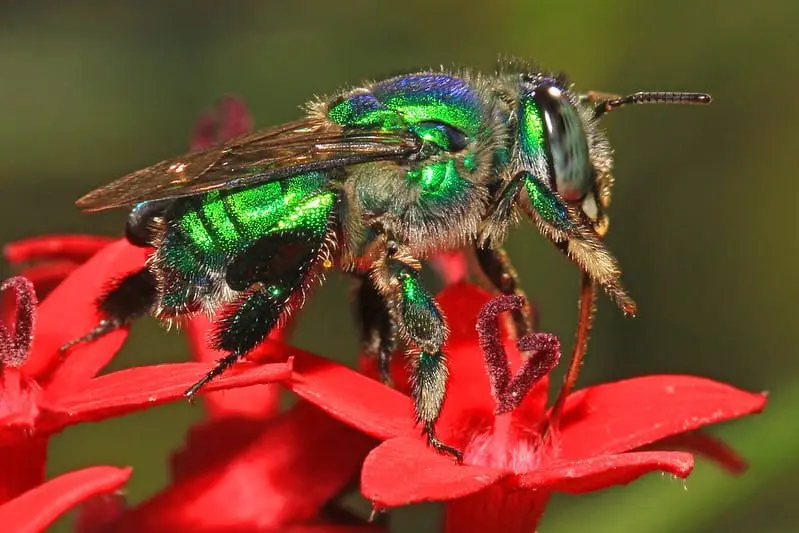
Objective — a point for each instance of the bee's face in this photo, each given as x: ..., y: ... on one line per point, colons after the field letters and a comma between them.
x: 555, y: 138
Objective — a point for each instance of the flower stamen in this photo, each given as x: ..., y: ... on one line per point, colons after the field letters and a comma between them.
x: 510, y: 391
x: 15, y: 344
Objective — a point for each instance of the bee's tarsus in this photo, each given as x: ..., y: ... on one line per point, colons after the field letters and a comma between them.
x: 221, y: 366
x: 103, y: 328
x: 439, y: 446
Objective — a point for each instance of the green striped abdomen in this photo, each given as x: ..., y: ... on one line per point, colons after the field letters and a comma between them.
x: 206, y: 233
x: 222, y: 224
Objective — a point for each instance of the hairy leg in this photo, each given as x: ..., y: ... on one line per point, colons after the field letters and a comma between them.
x: 378, y: 326
x: 128, y: 299
x: 421, y: 325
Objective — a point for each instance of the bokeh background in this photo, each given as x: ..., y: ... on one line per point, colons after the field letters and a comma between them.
x: 703, y: 217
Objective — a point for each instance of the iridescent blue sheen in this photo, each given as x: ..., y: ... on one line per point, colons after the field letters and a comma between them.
x: 437, y: 97
x: 410, y: 101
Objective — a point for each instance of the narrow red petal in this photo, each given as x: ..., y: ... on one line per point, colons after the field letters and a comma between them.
x: 46, y: 276
x: 77, y: 248
x: 352, y: 397
x: 626, y: 415
x: 38, y: 508
x: 285, y: 475
x: 604, y: 471
x: 405, y: 470
x: 705, y: 445
x: 259, y: 401
x: 70, y: 312
x: 139, y: 388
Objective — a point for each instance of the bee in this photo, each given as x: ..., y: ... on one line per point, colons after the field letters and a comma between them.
x: 371, y: 182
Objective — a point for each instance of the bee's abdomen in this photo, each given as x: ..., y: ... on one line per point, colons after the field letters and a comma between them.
x: 207, y: 233
x: 222, y: 224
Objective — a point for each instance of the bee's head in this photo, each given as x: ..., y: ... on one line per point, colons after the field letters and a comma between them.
x: 558, y: 139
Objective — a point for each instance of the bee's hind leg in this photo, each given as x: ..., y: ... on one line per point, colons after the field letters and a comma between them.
x: 129, y: 298
x: 271, y: 276
x: 378, y: 326
x: 421, y: 325
x: 243, y: 327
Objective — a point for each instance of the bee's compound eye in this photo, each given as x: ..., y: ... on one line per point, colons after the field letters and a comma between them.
x: 567, y: 142
x: 444, y: 136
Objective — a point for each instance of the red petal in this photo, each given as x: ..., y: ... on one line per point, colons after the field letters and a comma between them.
x: 328, y: 528
x: 604, y: 471
x: 352, y: 397
x: 298, y: 462
x: 405, y: 470
x: 139, y: 388
x: 76, y: 248
x: 258, y: 401
x: 451, y: 266
x: 205, y: 451
x: 626, y: 415
x: 97, y: 513
x: 70, y: 312
x: 236, y: 119
x: 708, y: 446
x: 461, y: 304
x: 21, y: 466
x: 38, y: 508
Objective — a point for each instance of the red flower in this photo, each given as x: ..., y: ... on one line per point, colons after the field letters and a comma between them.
x: 47, y: 260
x: 37, y: 508
x: 239, y: 474
x: 42, y: 393
x: 511, y: 465
x: 248, y: 469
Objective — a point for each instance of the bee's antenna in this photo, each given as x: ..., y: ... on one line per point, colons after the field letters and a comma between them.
x: 610, y: 104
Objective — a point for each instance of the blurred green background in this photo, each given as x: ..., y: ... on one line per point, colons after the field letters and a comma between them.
x: 703, y: 217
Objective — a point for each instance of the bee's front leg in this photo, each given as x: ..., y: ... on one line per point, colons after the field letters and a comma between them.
x: 128, y: 299
x: 420, y: 322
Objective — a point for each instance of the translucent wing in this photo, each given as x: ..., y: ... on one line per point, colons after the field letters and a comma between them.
x: 266, y: 155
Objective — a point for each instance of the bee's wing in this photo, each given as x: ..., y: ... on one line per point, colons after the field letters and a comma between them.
x: 266, y: 155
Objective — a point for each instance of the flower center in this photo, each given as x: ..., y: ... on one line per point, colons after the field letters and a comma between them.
x: 507, y: 446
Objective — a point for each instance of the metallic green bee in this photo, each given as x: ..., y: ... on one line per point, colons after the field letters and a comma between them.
x: 372, y: 181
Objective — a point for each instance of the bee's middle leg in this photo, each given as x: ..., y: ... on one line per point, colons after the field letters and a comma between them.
x: 378, y: 326
x: 497, y: 269
x: 421, y: 325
